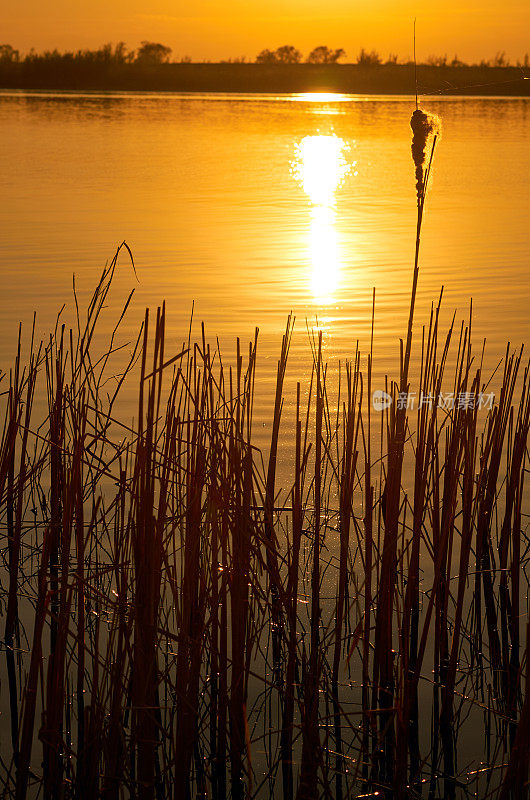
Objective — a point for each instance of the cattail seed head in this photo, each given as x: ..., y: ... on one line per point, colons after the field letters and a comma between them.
x: 423, y: 126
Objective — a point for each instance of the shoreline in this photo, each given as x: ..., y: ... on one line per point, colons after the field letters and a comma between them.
x: 351, y: 79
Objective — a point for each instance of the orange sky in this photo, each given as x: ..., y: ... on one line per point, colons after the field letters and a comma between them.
x: 209, y: 29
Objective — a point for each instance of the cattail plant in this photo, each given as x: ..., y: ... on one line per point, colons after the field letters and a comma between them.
x: 422, y: 126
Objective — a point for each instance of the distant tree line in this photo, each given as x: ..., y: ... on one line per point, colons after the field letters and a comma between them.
x: 152, y: 66
x: 149, y: 53
x: 82, y: 68
x: 152, y: 54
x: 288, y: 54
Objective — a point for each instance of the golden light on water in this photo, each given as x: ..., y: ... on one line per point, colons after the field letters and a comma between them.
x: 321, y: 167
x: 322, y: 97
x: 325, y: 254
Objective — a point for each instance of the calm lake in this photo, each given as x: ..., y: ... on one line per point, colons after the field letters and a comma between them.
x: 255, y: 206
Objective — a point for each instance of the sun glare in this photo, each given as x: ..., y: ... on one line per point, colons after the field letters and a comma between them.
x: 321, y: 97
x: 321, y: 168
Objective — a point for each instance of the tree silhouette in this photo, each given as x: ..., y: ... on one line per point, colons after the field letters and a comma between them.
x: 152, y: 53
x: 8, y: 53
x: 122, y: 54
x: 368, y: 59
x: 324, y: 55
x: 287, y: 54
x: 266, y: 57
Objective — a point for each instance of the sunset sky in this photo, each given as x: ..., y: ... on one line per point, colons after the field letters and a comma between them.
x: 209, y: 29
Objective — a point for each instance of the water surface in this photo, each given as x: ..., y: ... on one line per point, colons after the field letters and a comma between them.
x: 255, y: 206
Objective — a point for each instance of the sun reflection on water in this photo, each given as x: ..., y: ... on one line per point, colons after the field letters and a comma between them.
x: 321, y: 167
